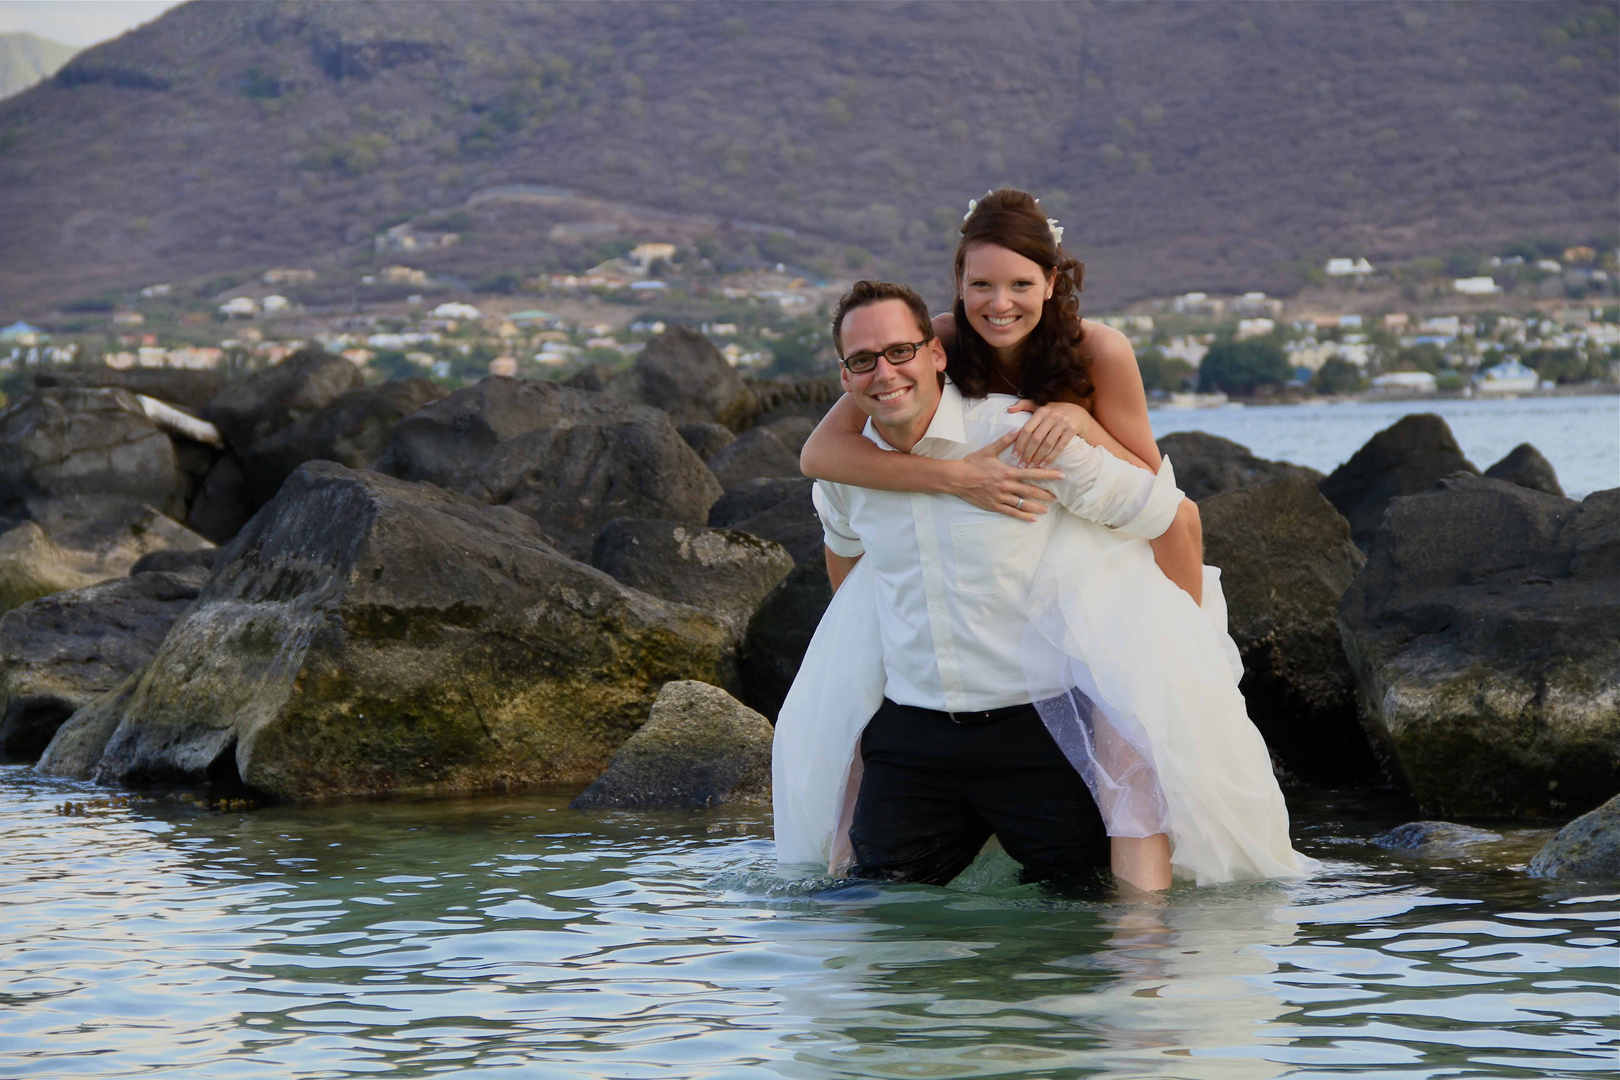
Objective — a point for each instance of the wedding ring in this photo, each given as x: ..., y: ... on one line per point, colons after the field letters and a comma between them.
x: 1020, y: 505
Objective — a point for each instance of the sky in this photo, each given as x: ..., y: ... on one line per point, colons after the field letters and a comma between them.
x: 78, y: 22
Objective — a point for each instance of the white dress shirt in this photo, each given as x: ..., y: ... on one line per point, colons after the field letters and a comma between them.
x: 953, y: 580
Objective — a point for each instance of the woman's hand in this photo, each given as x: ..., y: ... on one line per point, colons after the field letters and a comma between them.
x: 989, y: 483
x: 1048, y: 431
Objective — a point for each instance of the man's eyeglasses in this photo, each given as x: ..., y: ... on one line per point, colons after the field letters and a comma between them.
x: 862, y: 362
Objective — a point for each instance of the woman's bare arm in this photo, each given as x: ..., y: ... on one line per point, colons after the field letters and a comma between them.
x: 1119, y: 402
x: 838, y: 452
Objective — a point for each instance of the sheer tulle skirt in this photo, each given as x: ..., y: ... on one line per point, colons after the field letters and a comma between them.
x: 1136, y: 683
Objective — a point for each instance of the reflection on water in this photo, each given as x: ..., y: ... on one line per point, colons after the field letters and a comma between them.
x: 519, y: 938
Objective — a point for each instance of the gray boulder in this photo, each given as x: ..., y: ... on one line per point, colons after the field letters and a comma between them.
x: 177, y: 561
x: 191, y: 390
x: 71, y: 454
x: 719, y: 570
x: 365, y: 634
x: 775, y: 508
x: 1588, y: 847
x: 222, y: 504
x: 262, y: 403
x: 353, y: 430
x: 32, y: 565
x: 59, y: 652
x: 570, y: 459
x: 760, y: 452
x: 681, y: 372
x: 1481, y: 633
x: 706, y: 437
x: 1286, y: 559
x: 1208, y: 465
x: 1525, y: 466
x: 784, y: 396
x: 699, y: 748
x: 79, y: 743
x: 1409, y: 456
x: 779, y: 634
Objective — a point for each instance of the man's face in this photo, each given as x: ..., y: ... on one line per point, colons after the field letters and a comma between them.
x: 900, y: 398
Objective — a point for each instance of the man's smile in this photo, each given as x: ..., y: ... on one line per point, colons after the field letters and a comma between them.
x: 890, y: 395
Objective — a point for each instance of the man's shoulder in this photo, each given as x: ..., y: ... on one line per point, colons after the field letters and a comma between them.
x: 987, y: 418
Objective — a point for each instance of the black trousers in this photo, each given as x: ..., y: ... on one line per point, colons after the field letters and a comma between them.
x: 934, y: 791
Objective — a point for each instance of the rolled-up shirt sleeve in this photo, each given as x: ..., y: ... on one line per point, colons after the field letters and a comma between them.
x: 1100, y: 487
x: 836, y: 531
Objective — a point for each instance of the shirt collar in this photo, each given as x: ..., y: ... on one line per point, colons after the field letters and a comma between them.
x: 949, y: 423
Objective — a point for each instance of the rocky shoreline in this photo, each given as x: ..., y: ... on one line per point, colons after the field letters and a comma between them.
x: 612, y: 582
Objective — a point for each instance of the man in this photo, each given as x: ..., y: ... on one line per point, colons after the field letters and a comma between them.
x: 957, y: 751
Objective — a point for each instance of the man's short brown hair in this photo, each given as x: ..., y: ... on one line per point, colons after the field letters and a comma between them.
x: 871, y: 292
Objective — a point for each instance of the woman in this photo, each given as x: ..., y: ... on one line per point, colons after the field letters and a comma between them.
x: 1133, y: 731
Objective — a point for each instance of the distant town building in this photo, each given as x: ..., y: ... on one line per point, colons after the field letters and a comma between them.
x: 239, y: 307
x: 1508, y: 377
x: 1412, y: 381
x: 128, y: 318
x: 1197, y: 303
x: 152, y: 292
x: 644, y: 255
x: 271, y: 304
x: 1252, y: 328
x: 1257, y: 304
x: 1186, y: 350
x: 404, y: 238
x: 504, y: 367
x: 1347, y: 268
x: 1396, y: 320
x: 403, y: 275
x: 1476, y: 286
x: 454, y: 310
x: 283, y: 275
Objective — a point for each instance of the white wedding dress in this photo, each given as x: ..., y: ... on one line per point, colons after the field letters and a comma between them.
x: 1152, y: 718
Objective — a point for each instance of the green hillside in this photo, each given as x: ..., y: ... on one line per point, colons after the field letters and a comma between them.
x: 1204, y: 145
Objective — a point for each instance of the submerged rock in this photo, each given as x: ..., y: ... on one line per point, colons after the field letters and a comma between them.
x: 1286, y: 559
x: 681, y: 372
x: 700, y: 747
x: 1525, y: 466
x: 78, y: 744
x: 1433, y: 837
x: 353, y: 430
x: 1482, y: 635
x: 1409, y: 456
x: 1208, y: 465
x: 570, y: 459
x: 262, y: 403
x: 1588, y: 847
x: 720, y: 570
x: 71, y: 454
x: 59, y: 652
x: 367, y: 634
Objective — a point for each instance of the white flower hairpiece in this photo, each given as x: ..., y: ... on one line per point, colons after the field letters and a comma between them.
x: 973, y: 204
x: 1057, y: 230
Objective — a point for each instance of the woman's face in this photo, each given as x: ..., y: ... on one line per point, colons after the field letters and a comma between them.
x: 1002, y: 293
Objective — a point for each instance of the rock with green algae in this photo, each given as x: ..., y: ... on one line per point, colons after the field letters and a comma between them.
x: 700, y: 747
x: 79, y: 743
x: 1588, y: 847
x: 32, y: 565
x: 1482, y: 635
x: 366, y: 634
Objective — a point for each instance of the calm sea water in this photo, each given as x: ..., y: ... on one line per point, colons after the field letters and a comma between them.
x: 1580, y: 436
x: 516, y: 938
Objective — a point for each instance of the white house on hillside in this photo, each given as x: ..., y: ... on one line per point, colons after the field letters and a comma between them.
x: 1347, y: 268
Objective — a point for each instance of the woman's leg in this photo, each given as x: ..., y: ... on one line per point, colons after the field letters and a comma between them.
x: 1142, y: 862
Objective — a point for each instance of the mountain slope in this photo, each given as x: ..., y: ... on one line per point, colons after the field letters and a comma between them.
x: 25, y: 59
x: 1183, y: 145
